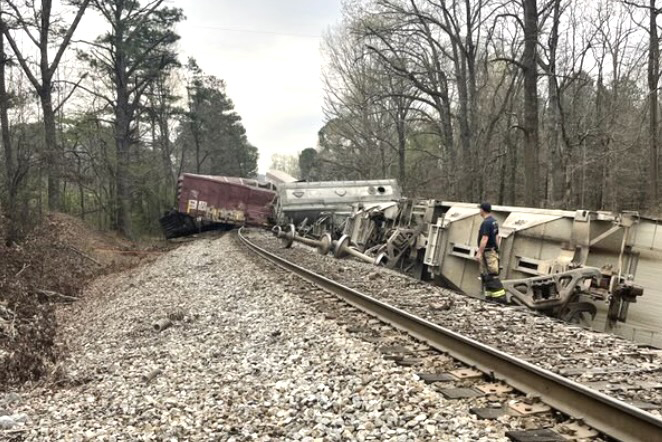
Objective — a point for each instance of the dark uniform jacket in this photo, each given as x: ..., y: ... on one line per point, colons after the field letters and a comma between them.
x: 489, y: 228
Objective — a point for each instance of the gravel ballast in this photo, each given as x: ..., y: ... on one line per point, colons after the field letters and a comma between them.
x: 605, y: 362
x: 245, y: 357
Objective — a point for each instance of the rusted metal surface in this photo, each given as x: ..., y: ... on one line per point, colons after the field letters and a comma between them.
x: 227, y: 200
x: 610, y: 416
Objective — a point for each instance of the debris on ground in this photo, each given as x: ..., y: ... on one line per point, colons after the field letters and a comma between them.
x: 50, y: 267
x: 247, y: 357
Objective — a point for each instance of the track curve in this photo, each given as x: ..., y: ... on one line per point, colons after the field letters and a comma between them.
x: 606, y: 414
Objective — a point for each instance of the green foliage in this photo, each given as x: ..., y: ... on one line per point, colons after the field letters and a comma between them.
x: 132, y: 128
x: 211, y: 137
x: 307, y: 160
x: 132, y: 59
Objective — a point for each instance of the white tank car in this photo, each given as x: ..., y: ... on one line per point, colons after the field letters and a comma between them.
x: 298, y: 201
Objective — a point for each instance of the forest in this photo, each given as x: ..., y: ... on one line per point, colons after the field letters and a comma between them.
x: 101, y: 129
x: 543, y: 103
x: 547, y: 103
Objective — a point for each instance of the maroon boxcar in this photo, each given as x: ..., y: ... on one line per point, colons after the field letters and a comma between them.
x: 207, y: 202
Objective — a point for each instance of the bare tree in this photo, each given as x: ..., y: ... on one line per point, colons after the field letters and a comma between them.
x: 10, y: 161
x: 653, y: 109
x: 39, y: 27
x: 530, y: 124
x: 430, y: 32
x: 359, y: 106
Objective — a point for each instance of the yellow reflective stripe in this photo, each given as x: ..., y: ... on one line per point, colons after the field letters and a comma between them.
x: 497, y: 294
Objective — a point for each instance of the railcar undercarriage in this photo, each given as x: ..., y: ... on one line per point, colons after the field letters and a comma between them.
x: 560, y: 263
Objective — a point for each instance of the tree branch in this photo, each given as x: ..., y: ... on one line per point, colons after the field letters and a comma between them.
x: 67, y: 37
x: 75, y: 86
x: 21, y: 59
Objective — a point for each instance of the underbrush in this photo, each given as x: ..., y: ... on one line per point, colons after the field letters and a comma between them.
x: 50, y: 266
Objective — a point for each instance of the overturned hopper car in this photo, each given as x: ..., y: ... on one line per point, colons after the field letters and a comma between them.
x: 300, y: 200
x: 326, y: 205
x: 206, y: 202
x: 566, y: 264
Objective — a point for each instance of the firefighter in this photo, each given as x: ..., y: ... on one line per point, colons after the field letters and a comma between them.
x: 488, y: 256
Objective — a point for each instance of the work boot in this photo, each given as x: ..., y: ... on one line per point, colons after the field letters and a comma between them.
x: 497, y: 300
x: 496, y: 297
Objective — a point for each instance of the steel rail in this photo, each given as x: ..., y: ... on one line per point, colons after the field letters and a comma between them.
x: 606, y: 414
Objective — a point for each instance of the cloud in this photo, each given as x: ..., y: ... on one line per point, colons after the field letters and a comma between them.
x: 267, y: 53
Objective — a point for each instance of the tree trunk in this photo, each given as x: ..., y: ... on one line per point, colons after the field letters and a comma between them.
x: 446, y: 133
x: 122, y: 143
x: 605, y: 189
x: 122, y: 131
x: 401, y: 112
x: 530, y: 125
x: 477, y: 174
x: 193, y: 115
x: 166, y: 150
x: 514, y: 200
x: 502, y: 179
x: 553, y: 129
x: 382, y: 156
x: 568, y: 180
x: 402, y: 144
x: 10, y: 163
x: 512, y: 153
x: 466, y: 163
x: 52, y: 155
x: 198, y: 161
x: 653, y: 75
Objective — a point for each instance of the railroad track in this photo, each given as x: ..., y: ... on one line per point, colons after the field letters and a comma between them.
x: 606, y: 414
x: 628, y: 371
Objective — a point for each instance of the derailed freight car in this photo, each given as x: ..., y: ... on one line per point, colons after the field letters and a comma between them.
x: 565, y: 264
x: 206, y: 202
x: 324, y: 206
x: 562, y: 263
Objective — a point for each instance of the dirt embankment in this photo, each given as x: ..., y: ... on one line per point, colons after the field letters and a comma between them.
x: 49, y: 267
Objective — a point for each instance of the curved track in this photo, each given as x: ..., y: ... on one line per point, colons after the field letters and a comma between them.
x: 606, y: 414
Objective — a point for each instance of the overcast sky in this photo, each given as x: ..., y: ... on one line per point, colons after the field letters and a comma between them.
x: 268, y: 52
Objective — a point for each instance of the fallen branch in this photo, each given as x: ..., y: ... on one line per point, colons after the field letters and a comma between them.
x: 84, y: 255
x: 130, y: 252
x: 25, y: 266
x: 51, y: 295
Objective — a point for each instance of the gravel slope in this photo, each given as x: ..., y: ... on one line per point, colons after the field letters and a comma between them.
x: 245, y: 359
